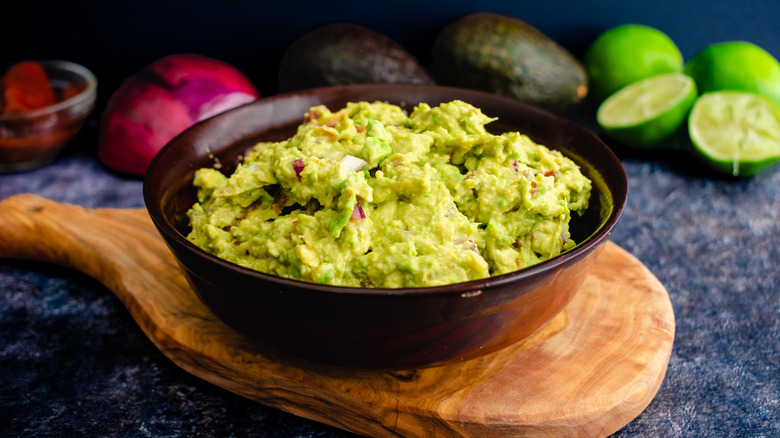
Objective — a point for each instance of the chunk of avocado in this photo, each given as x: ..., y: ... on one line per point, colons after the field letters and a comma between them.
x: 507, y: 56
x: 345, y: 53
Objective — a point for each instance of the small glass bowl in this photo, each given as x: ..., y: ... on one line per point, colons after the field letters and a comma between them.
x: 33, y: 139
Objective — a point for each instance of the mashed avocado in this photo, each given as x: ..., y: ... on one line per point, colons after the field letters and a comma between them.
x: 372, y: 196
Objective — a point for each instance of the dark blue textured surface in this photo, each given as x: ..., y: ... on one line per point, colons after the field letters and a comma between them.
x: 73, y: 362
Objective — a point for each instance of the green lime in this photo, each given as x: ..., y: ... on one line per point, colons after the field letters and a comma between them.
x: 734, y: 132
x: 628, y: 53
x: 650, y: 112
x: 738, y: 66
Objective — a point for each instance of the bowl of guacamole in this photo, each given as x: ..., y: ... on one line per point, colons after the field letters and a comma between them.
x: 385, y: 226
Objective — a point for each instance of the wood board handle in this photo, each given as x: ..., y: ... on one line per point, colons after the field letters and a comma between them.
x: 85, y: 239
x: 118, y: 247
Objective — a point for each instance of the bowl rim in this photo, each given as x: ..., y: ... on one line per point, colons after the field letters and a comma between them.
x: 465, y: 288
x: 89, y: 93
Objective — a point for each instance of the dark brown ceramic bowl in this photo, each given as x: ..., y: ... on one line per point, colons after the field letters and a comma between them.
x: 388, y: 329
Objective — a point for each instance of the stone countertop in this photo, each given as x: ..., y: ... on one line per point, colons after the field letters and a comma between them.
x: 73, y: 362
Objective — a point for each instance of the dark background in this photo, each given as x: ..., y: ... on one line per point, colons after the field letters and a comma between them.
x: 73, y: 363
x: 116, y: 39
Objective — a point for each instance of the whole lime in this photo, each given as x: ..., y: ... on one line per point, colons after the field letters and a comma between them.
x: 627, y: 53
x: 736, y: 66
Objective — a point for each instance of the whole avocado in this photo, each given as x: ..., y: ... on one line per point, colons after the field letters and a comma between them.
x: 504, y: 55
x: 345, y: 53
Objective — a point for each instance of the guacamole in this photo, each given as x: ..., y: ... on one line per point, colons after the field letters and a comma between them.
x: 370, y: 196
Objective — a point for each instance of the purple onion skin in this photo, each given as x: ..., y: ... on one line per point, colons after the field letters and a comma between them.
x: 162, y: 100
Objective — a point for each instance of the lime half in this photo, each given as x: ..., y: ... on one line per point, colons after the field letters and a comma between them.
x: 736, y: 133
x: 648, y: 113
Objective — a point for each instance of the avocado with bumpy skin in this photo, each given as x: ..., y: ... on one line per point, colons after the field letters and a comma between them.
x: 504, y: 55
x: 344, y: 53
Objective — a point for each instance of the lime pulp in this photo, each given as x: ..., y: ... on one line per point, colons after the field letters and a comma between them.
x: 648, y: 113
x: 736, y: 133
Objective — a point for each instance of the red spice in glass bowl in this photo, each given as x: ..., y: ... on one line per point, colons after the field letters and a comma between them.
x: 43, y: 104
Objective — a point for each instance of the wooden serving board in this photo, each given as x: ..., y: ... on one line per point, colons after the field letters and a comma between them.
x: 588, y: 372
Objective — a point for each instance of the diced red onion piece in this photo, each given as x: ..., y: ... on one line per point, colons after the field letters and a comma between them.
x: 298, y: 166
x: 358, y: 213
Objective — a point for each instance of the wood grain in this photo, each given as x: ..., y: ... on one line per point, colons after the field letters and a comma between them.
x: 588, y: 372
